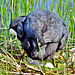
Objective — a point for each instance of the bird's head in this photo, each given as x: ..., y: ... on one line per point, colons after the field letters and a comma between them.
x: 16, y: 27
x: 14, y: 23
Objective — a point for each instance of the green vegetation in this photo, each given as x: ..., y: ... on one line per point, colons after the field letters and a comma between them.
x: 10, y: 47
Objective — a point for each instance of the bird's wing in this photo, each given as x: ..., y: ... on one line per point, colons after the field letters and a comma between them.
x: 48, y: 25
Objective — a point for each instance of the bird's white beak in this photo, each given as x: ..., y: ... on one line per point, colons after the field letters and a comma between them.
x: 12, y: 31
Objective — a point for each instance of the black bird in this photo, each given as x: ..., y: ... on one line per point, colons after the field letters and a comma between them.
x: 46, y: 26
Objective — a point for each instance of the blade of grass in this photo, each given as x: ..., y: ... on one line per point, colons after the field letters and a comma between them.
x: 66, y: 52
x: 41, y: 56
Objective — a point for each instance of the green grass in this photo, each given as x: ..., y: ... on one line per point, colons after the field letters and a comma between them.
x: 10, y: 48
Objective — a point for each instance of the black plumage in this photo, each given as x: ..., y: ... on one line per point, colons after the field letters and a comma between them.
x: 46, y: 26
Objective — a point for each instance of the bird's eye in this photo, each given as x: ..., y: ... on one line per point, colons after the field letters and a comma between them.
x: 15, y: 28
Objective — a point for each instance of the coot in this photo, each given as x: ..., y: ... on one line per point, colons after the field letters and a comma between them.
x: 46, y: 26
